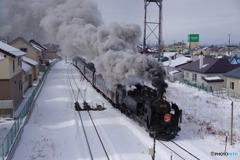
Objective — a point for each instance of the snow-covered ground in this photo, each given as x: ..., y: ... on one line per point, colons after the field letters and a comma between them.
x: 54, y: 129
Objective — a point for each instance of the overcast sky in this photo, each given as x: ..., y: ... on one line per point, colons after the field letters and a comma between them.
x: 213, y: 20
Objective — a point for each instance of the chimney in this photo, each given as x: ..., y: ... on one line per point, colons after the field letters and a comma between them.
x: 200, y: 61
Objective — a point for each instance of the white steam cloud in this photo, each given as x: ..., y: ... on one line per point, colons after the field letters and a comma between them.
x: 78, y: 27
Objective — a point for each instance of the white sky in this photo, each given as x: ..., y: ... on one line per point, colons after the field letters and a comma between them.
x: 212, y: 19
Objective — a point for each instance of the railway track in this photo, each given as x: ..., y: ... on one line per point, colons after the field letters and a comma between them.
x: 174, y: 148
x: 96, y: 147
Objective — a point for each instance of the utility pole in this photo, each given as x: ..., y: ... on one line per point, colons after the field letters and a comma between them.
x: 229, y: 45
x: 232, y: 123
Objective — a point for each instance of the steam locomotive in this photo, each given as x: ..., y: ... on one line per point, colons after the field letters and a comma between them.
x: 160, y: 118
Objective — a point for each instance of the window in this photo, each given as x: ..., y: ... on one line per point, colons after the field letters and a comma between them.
x: 19, y: 61
x: 194, y: 77
x: 232, y: 85
x: 23, y: 49
x: 187, y: 75
x: 26, y: 78
x: 13, y: 66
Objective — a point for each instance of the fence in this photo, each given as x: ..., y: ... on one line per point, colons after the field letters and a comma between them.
x: 17, y: 128
x: 219, y: 92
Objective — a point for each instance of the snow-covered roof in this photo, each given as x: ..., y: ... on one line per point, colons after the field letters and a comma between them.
x: 29, y: 61
x: 26, y: 67
x: 213, y: 79
x: 11, y: 50
x: 168, y: 54
x: 36, y: 47
x: 176, y: 62
x: 172, y: 72
x: 1, y: 58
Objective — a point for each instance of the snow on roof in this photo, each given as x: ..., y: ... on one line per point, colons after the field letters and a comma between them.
x: 204, y: 65
x: 26, y: 67
x: 172, y: 72
x: 176, y: 62
x: 213, y: 78
x: 11, y: 50
x: 1, y: 58
x: 36, y: 47
x: 168, y: 54
x: 30, y: 61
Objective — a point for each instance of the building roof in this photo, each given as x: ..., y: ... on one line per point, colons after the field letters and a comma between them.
x: 211, y: 66
x: 177, y: 62
x: 26, y: 67
x: 29, y: 61
x: 37, y: 45
x: 169, y: 54
x: 173, y: 72
x: 1, y: 58
x: 233, y: 73
x: 11, y: 51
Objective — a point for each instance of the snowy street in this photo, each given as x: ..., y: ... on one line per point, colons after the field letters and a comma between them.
x: 54, y: 130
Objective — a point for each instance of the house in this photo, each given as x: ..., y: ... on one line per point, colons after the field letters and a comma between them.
x: 173, y: 67
x: 41, y: 49
x: 51, y: 52
x: 34, y: 51
x: 230, y: 50
x: 27, y: 77
x: 34, y: 65
x: 207, y: 72
x: 216, y: 51
x: 11, y: 91
x: 233, y: 81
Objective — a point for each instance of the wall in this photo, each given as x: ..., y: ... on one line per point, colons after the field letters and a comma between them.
x: 236, y: 84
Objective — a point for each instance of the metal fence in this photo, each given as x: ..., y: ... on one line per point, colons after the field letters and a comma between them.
x: 219, y: 92
x: 23, y: 117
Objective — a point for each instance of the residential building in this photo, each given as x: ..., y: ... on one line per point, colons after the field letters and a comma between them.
x: 207, y: 72
x: 34, y: 65
x: 51, y: 52
x: 41, y: 49
x: 27, y: 77
x: 173, y: 67
x: 33, y: 50
x: 10, y: 77
x: 233, y: 82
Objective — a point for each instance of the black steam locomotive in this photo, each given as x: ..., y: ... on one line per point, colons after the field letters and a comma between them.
x: 159, y: 117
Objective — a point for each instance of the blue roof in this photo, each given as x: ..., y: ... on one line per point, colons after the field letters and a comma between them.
x: 235, y: 59
x: 233, y: 73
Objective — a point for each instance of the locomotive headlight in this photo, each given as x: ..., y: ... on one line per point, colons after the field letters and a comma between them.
x: 164, y: 98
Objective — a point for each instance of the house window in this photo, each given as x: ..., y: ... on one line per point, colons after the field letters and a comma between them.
x: 13, y: 66
x: 26, y: 78
x: 23, y: 49
x: 187, y: 75
x: 19, y: 61
x: 232, y: 85
x: 194, y: 77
